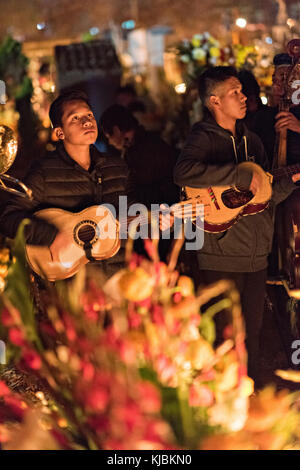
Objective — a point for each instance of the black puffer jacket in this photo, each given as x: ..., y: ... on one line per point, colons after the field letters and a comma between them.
x: 58, y: 181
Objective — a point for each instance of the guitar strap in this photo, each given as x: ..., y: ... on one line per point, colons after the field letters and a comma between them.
x: 88, y: 252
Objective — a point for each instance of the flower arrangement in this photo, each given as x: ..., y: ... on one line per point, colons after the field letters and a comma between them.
x: 203, y: 50
x: 131, y: 364
x: 198, y: 53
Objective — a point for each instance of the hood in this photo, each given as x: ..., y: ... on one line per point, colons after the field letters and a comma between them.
x: 209, y: 124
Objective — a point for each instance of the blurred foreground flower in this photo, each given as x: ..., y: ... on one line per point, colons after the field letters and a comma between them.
x: 138, y: 372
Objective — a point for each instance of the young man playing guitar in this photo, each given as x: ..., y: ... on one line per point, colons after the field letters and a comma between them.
x: 211, y: 157
x: 73, y: 177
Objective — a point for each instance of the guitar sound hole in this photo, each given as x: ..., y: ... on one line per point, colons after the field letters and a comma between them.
x: 233, y: 199
x: 86, y: 233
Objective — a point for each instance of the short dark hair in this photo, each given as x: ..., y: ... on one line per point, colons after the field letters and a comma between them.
x: 211, y: 78
x: 117, y: 115
x: 282, y: 59
x: 57, y: 107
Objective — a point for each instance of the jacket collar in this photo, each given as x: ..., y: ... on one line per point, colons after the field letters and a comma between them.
x: 63, y: 154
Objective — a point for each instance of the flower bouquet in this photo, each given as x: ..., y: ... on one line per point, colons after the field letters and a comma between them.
x: 131, y: 364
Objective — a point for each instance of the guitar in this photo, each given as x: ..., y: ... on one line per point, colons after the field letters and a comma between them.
x: 94, y: 235
x: 224, y: 205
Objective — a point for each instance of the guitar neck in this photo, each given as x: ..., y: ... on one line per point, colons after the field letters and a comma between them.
x: 286, y: 171
x: 181, y: 210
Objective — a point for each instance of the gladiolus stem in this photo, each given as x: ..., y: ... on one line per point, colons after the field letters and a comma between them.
x: 187, y: 421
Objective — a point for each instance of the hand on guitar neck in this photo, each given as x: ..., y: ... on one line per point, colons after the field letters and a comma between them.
x: 166, y: 218
x: 287, y: 120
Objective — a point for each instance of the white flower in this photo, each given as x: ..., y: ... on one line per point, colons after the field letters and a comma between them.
x: 185, y: 58
x: 198, y: 53
x: 265, y: 63
x: 198, y: 36
x: 231, y: 414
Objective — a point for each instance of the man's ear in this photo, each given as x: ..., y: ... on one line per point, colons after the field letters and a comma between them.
x: 214, y: 101
x: 59, y: 133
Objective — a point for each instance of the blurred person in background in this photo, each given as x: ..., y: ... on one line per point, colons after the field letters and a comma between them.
x: 150, y: 161
x: 142, y: 107
x: 268, y: 120
x: 251, y: 90
x: 148, y: 157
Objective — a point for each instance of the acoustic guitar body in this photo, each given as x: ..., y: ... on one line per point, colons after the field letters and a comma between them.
x: 95, y: 227
x: 224, y: 205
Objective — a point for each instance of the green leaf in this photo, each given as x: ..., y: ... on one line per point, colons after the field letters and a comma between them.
x: 18, y: 287
x: 208, y: 328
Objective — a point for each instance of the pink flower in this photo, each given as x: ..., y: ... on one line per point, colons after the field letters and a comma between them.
x: 6, y: 318
x: 228, y: 332
x: 242, y: 371
x: 99, y: 423
x: 4, y: 390
x: 70, y: 329
x: 165, y: 368
x: 207, y: 376
x: 195, y: 320
x: 84, y: 345
x: 129, y: 415
x: 177, y: 297
x: 91, y: 314
x: 175, y: 326
x: 134, y: 319
x: 16, y: 337
x: 134, y: 261
x: 158, y: 315
x: 127, y: 352
x: 96, y: 399
x: 145, y: 303
x: 149, y: 397
x: 88, y: 371
x: 32, y: 360
x: 200, y: 395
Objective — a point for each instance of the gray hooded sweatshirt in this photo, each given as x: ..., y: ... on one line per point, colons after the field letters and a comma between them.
x: 211, y: 157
